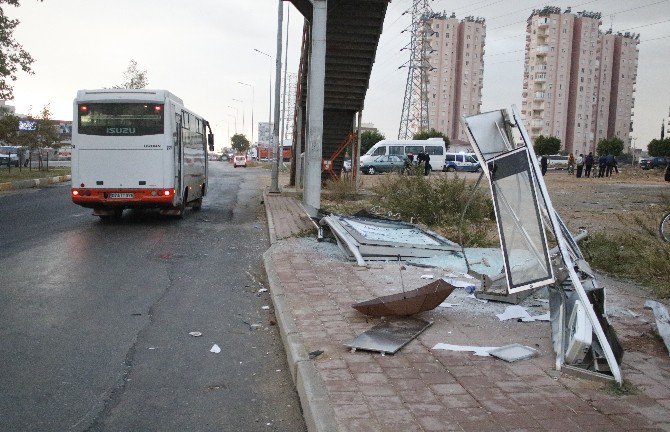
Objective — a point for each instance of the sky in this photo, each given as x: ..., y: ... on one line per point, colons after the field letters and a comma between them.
x: 202, y: 50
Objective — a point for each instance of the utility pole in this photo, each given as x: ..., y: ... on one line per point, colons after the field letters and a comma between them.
x: 415, y: 105
x: 283, y: 104
x: 274, y: 187
x: 252, y: 109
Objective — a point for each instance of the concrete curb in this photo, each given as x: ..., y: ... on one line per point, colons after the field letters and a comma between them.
x: 319, y: 414
x: 27, y: 184
x: 271, y: 225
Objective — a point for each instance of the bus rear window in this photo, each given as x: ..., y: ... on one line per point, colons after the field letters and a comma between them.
x: 120, y: 119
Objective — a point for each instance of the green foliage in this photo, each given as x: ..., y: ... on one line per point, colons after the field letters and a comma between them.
x: 370, y: 138
x: 46, y: 134
x: 239, y: 143
x: 9, y: 126
x: 133, y: 78
x: 439, y: 203
x: 340, y: 190
x: 547, y: 145
x: 12, y: 55
x: 658, y: 147
x: 637, y: 253
x: 423, y: 135
x: 613, y: 146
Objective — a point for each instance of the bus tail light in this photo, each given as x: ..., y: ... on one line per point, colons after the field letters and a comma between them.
x: 75, y: 192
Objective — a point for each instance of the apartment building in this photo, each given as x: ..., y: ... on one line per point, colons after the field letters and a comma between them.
x: 455, y: 80
x: 578, y: 81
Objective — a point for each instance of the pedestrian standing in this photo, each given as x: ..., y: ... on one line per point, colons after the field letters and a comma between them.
x: 426, y: 164
x: 609, y: 164
x: 571, y: 164
x: 588, y: 164
x: 580, y: 165
x: 543, y: 164
x: 602, y: 163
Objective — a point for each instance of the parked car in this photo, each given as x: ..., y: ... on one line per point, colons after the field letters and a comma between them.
x: 9, y: 156
x: 461, y: 162
x: 653, y: 162
x: 240, y: 160
x: 384, y: 163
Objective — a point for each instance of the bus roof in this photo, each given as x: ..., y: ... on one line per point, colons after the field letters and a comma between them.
x: 111, y: 95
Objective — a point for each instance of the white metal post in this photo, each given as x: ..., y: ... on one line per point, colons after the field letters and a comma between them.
x: 274, y: 187
x: 298, y: 149
x: 317, y: 73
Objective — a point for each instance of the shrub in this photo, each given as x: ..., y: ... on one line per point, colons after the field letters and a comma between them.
x: 438, y: 203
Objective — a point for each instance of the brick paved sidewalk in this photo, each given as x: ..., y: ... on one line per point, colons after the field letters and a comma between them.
x: 420, y: 389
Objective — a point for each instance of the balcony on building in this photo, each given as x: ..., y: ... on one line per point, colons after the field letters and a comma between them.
x: 538, y: 96
x: 536, y: 124
x: 541, y: 67
x: 540, y: 76
x: 541, y: 50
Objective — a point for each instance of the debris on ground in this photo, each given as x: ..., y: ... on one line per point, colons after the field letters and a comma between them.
x: 315, y: 354
x: 514, y: 352
x: 662, y: 320
x: 195, y: 333
x: 407, y: 303
x: 389, y: 337
x: 482, y: 351
x: 215, y: 349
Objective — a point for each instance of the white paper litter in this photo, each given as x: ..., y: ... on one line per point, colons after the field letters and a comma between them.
x: 472, y: 296
x: 477, y: 350
x: 458, y: 283
x: 513, y: 312
x: 195, y: 334
x: 448, y: 305
x: 516, y: 312
x: 458, y: 276
x: 265, y: 307
x: 215, y: 349
x: 427, y: 276
x: 262, y: 290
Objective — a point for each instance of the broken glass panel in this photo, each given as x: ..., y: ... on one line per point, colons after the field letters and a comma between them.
x: 522, y: 235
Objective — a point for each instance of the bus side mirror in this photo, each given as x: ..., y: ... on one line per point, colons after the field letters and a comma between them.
x: 210, y: 141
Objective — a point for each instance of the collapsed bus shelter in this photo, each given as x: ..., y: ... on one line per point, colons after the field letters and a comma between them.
x: 339, y: 45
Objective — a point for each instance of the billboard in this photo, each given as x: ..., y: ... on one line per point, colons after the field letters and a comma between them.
x: 27, y: 125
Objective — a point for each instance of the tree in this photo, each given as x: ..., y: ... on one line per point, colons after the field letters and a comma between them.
x: 431, y: 134
x: 45, y: 136
x: 9, y: 127
x: 12, y: 55
x: 239, y: 143
x: 370, y: 138
x: 613, y: 146
x: 659, y: 147
x: 547, y: 145
x: 133, y: 78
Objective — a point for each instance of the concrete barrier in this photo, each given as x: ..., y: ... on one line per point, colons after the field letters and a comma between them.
x: 27, y: 184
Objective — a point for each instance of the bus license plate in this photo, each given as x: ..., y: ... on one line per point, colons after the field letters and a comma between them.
x: 121, y: 195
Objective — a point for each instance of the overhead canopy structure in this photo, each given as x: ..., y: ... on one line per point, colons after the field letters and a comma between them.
x: 352, y: 35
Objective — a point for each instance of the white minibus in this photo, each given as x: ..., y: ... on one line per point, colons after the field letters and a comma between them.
x: 434, y: 147
x: 137, y: 149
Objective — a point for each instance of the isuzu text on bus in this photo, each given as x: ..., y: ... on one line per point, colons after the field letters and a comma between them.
x: 138, y: 149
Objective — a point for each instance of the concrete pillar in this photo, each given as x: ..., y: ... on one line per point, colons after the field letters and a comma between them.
x: 317, y: 77
x: 298, y: 149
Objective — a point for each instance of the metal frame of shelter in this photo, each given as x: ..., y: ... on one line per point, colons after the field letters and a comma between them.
x: 492, y: 139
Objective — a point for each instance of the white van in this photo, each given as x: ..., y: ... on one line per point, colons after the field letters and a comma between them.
x: 434, y: 147
x: 461, y: 162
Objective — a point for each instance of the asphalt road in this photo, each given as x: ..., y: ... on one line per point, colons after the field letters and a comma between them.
x: 95, y: 317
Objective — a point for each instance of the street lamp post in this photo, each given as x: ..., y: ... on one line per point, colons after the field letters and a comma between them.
x: 244, y: 128
x: 232, y: 107
x: 270, y: 103
x: 252, y: 109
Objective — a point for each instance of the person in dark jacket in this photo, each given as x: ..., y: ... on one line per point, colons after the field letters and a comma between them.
x: 667, y: 173
x: 609, y: 164
x: 602, y: 164
x: 543, y: 164
x: 588, y: 164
